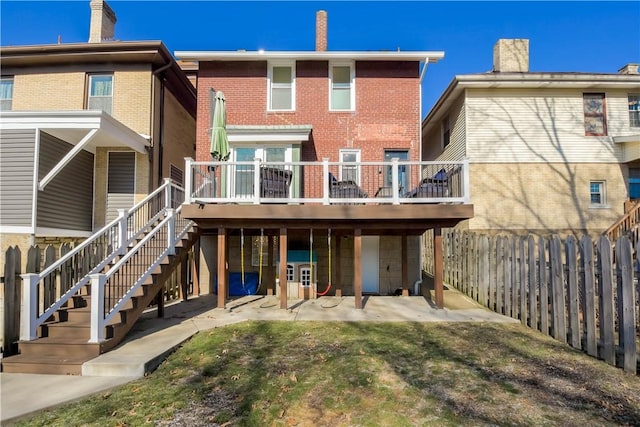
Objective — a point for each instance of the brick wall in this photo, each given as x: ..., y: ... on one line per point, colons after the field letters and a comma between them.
x: 386, y: 115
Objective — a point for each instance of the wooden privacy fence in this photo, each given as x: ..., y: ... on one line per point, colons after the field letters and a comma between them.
x: 178, y: 285
x: 581, y: 292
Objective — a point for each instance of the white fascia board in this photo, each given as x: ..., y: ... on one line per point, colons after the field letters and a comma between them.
x: 547, y: 80
x: 421, y: 56
x: 626, y: 138
x: 268, y: 134
x: 122, y: 133
x: 55, y: 232
x: 14, y: 229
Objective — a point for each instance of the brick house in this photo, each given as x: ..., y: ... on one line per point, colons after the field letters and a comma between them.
x: 552, y: 152
x: 87, y: 129
x: 298, y: 110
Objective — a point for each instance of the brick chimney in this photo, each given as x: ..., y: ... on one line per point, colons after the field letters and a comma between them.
x: 103, y: 21
x: 321, y: 30
x: 629, y: 69
x: 511, y: 56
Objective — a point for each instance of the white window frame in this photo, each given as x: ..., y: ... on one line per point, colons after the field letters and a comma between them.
x: 113, y: 82
x: 602, y: 193
x: 291, y: 273
x: 260, y: 153
x: 7, y: 101
x: 355, y: 151
x: 306, y: 281
x: 352, y: 84
x: 271, y: 65
x: 632, y: 111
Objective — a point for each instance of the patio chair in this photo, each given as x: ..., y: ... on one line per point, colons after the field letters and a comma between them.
x: 275, y: 182
x: 345, y: 189
x: 436, y: 186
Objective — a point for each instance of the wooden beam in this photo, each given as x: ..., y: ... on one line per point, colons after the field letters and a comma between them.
x: 437, y: 267
x: 337, y: 262
x: 357, y: 267
x: 270, y: 276
x: 405, y: 267
x: 283, y: 268
x: 222, y: 267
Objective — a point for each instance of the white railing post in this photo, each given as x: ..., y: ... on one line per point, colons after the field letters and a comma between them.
x: 256, y: 181
x: 326, y: 191
x: 466, y: 185
x: 122, y: 231
x: 188, y: 179
x: 29, y: 306
x: 97, y: 307
x: 395, y: 185
x: 167, y: 193
x: 171, y: 232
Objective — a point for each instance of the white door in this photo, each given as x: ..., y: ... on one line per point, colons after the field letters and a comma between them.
x: 370, y: 264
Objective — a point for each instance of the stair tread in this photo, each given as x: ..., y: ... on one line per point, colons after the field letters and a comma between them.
x: 56, y: 341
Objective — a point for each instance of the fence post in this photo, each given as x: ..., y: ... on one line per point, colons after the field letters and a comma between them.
x: 557, y: 289
x: 533, y: 303
x: 325, y: 181
x: 626, y: 304
x: 572, y: 291
x: 543, y: 276
x: 29, y: 313
x: 188, y: 179
x: 171, y: 232
x: 588, y: 292
x: 605, y: 298
x: 97, y: 307
x: 523, y: 282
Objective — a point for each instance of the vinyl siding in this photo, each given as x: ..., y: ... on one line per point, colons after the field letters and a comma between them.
x: 67, y: 201
x: 16, y: 176
x: 120, y: 182
x: 543, y: 125
x: 432, y: 141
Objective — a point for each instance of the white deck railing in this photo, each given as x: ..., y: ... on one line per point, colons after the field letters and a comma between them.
x: 394, y: 182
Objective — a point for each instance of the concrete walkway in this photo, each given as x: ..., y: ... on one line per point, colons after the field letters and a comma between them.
x: 153, y: 338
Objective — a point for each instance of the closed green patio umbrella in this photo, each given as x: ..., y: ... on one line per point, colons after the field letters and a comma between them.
x: 219, y: 142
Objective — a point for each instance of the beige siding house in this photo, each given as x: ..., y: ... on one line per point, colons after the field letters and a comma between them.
x: 548, y: 152
x: 87, y: 129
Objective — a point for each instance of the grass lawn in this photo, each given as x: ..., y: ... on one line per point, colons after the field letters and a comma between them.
x: 366, y: 374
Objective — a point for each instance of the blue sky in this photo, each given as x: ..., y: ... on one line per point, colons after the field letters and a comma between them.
x: 584, y: 36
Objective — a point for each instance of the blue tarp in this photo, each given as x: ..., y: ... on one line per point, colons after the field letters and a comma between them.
x: 235, y: 284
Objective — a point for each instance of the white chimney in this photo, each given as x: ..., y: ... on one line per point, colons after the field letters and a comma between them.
x: 511, y: 56
x: 103, y: 21
x: 629, y: 69
x: 321, y: 30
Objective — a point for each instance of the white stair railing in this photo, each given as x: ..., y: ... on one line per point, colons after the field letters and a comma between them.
x: 72, y: 271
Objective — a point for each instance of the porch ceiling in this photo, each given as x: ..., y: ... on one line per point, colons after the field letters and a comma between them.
x: 370, y: 219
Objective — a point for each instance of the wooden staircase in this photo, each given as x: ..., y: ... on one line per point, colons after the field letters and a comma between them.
x: 627, y: 225
x: 63, y: 344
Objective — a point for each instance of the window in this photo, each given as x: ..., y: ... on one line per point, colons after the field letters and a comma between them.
x: 446, y: 132
x: 401, y: 155
x: 282, y: 85
x: 243, y: 175
x: 6, y: 93
x: 305, y: 277
x: 100, y: 92
x: 350, y: 172
x: 595, y: 123
x: 597, y: 193
x: 634, y: 111
x: 290, y: 271
x: 342, y: 93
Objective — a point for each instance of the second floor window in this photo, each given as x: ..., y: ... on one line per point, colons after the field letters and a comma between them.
x: 634, y: 111
x: 6, y: 93
x: 281, y: 87
x: 100, y: 92
x: 342, y: 94
x: 595, y: 114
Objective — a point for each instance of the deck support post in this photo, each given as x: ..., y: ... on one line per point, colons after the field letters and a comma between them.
x: 337, y: 270
x: 270, y: 271
x: 283, y: 268
x: 405, y: 267
x: 437, y: 267
x: 222, y: 267
x: 357, y: 267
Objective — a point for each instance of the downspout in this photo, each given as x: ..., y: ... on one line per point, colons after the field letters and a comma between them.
x: 36, y: 189
x: 160, y: 138
x: 421, y: 243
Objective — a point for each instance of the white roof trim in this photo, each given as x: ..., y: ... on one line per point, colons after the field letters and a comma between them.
x: 107, y: 126
x: 428, y: 56
x: 626, y: 138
